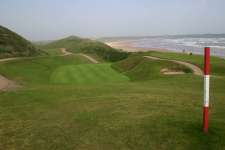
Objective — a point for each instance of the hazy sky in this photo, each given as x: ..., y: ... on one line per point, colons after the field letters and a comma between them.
x: 52, y: 19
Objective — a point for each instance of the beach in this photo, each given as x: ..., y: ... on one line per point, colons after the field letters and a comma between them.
x: 129, y: 47
x: 165, y: 44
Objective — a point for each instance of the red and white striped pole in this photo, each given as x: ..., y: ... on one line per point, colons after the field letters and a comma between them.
x: 206, y: 89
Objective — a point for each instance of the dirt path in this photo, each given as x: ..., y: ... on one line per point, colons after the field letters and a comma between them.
x: 6, y: 84
x: 65, y: 52
x: 9, y: 59
x: 89, y: 58
x: 196, y: 70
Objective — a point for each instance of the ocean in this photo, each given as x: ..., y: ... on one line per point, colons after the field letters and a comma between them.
x: 184, y: 44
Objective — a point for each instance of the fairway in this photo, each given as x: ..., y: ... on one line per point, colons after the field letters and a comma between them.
x: 38, y: 70
x: 86, y: 74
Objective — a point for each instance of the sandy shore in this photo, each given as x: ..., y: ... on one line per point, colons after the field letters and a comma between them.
x: 129, y: 47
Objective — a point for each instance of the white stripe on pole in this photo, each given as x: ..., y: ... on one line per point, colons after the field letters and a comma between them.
x: 206, y: 90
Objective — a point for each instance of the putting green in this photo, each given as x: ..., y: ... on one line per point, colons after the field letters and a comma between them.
x: 86, y: 74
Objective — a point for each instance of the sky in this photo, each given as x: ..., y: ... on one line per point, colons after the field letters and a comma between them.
x: 39, y: 20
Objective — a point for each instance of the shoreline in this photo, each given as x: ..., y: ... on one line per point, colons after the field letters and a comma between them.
x: 128, y: 47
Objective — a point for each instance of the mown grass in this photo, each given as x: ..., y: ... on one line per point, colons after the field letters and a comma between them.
x: 160, y: 113
x: 37, y: 70
x: 86, y: 74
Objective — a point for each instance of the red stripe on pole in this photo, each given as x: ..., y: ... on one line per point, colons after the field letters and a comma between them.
x: 206, y: 90
x: 205, y: 119
x: 207, y: 61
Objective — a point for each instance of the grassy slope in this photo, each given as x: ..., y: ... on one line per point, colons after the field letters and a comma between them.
x: 142, y: 69
x: 217, y: 64
x: 12, y: 44
x: 162, y: 113
x: 53, y: 51
x: 38, y: 70
x: 77, y: 45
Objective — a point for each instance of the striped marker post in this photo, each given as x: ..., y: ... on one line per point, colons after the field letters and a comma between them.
x: 206, y: 89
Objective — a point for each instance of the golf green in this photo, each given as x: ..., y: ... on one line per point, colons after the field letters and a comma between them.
x: 86, y: 74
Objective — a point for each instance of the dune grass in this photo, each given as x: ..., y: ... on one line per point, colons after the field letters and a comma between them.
x: 160, y: 113
x: 14, y: 45
x: 79, y: 45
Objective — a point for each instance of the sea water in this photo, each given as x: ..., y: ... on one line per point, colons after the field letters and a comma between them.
x: 187, y: 45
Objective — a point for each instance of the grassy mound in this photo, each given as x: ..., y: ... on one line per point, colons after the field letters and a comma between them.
x: 139, y: 68
x: 38, y: 70
x: 77, y: 45
x: 12, y: 44
x: 86, y: 74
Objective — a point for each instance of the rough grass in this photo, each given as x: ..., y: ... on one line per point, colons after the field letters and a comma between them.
x: 158, y: 114
x: 77, y: 45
